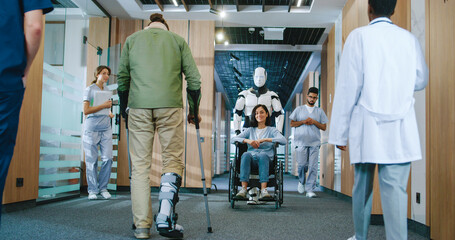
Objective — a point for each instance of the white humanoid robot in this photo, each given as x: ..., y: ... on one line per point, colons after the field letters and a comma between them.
x: 247, y: 100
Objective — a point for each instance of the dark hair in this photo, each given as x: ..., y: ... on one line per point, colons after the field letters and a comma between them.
x: 253, y: 121
x: 383, y: 7
x: 157, y: 17
x: 313, y: 90
x: 98, y: 70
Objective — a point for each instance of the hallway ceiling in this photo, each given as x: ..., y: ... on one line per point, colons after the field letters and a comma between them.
x: 305, y: 29
x: 235, y: 68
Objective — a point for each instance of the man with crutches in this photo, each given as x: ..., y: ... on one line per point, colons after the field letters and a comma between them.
x: 150, y: 84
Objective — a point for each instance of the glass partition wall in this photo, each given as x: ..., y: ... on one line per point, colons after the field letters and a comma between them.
x: 64, y: 80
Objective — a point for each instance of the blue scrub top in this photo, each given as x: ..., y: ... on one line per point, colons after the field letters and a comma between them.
x: 308, y: 135
x: 13, y: 59
x: 95, y: 123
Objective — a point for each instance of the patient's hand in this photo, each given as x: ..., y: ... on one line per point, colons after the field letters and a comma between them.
x: 253, y: 143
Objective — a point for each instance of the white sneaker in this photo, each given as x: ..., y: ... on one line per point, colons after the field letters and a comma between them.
x: 105, y: 194
x: 311, y: 194
x: 264, y: 194
x: 352, y: 238
x: 300, y: 188
x: 241, y: 194
x: 92, y: 196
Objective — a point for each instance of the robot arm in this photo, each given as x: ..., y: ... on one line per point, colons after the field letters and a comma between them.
x: 277, y: 108
x: 239, y: 107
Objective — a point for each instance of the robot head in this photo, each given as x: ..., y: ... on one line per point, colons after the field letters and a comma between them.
x: 260, y: 76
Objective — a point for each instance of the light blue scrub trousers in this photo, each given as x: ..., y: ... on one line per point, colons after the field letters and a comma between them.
x: 393, y: 180
x: 307, y: 161
x: 92, y: 140
x: 260, y: 160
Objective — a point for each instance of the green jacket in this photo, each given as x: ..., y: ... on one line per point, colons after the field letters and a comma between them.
x: 151, y: 68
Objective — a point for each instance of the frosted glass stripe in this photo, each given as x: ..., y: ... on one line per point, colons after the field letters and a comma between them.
x: 62, y: 138
x: 111, y: 186
x: 64, y: 151
x: 60, y: 189
x: 59, y: 164
x: 59, y: 176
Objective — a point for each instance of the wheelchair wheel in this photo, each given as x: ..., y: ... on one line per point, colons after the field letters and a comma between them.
x: 281, y: 183
x: 232, y: 203
x: 229, y: 187
x: 232, y: 187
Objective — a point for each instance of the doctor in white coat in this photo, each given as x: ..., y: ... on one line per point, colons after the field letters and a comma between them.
x: 381, y: 67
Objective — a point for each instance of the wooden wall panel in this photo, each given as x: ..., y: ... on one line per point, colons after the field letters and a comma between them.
x: 350, y: 19
x: 347, y: 174
x: 98, y: 35
x: 327, y: 159
x: 427, y: 117
x: 355, y: 14
x: 25, y: 161
x: 203, y: 52
x: 402, y: 16
x: 323, y: 99
x: 441, y: 124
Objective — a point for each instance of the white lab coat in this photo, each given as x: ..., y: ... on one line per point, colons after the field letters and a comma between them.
x: 381, y: 67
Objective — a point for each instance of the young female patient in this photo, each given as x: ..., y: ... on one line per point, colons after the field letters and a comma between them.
x: 260, y: 139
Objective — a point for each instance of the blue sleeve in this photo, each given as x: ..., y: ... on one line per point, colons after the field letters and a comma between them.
x: 242, y: 136
x: 30, y: 5
x: 293, y: 114
x: 278, y: 137
x: 323, y: 117
x: 87, y: 94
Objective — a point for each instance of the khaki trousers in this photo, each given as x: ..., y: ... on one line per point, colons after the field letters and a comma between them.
x: 142, y: 123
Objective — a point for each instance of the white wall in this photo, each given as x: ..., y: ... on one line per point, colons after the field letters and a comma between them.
x: 418, y: 169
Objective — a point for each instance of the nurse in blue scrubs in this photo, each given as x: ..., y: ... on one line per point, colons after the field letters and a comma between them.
x: 98, y: 133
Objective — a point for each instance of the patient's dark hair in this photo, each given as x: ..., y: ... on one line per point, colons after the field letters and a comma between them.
x: 383, y: 7
x: 313, y: 90
x: 253, y: 121
x: 156, y: 17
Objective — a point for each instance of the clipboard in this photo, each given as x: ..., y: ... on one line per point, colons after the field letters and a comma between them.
x: 99, y: 97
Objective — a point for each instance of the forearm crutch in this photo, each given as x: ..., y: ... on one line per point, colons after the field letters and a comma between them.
x: 194, y: 96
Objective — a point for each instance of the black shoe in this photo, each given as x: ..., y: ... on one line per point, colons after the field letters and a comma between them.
x: 176, y: 233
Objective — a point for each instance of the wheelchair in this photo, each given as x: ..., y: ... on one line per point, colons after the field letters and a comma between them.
x: 275, y: 177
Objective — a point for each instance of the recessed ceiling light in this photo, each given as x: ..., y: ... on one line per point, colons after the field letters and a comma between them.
x: 220, y: 36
